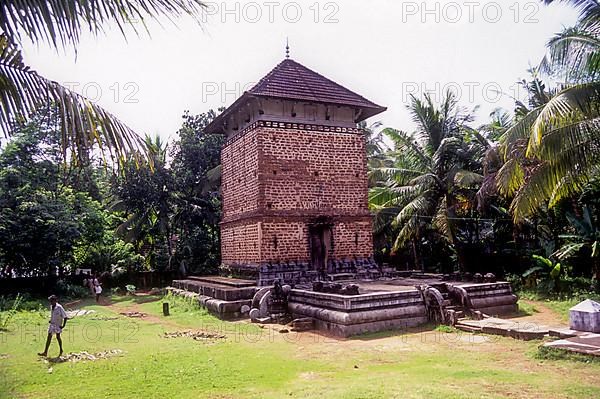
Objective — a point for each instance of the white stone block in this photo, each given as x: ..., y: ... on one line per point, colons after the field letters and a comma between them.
x: 585, y: 316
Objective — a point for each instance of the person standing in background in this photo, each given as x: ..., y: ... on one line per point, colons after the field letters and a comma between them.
x: 97, y: 288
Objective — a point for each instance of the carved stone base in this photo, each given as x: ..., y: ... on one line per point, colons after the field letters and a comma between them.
x: 294, y: 273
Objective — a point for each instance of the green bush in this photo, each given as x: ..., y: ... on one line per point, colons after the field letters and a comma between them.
x: 180, y: 303
x: 67, y: 290
x: 26, y: 303
x: 7, y: 315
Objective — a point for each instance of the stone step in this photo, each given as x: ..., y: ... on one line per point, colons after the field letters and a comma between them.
x: 218, y: 291
x: 463, y: 327
x: 224, y: 310
x: 508, y: 328
x: 563, y: 332
x: 226, y: 281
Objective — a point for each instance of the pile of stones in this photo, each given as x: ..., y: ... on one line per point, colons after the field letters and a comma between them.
x: 86, y: 356
x: 468, y: 277
x: 135, y: 315
x: 196, y: 335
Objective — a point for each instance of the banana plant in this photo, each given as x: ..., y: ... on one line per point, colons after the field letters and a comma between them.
x: 587, y: 236
x: 545, y: 274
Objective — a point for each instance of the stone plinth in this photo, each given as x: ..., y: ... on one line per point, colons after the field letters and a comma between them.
x: 344, y: 316
x: 585, y: 316
x: 223, y: 297
x: 491, y: 298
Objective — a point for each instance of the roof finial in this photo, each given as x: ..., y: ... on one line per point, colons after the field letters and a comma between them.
x: 287, y: 47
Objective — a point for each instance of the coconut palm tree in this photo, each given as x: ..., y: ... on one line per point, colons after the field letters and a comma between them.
x: 575, y: 52
x: 552, y: 151
x: 431, y: 175
x: 60, y: 25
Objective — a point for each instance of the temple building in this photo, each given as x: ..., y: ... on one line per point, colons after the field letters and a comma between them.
x: 296, y: 225
x: 294, y: 179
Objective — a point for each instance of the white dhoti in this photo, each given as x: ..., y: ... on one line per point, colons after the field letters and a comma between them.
x: 54, y: 329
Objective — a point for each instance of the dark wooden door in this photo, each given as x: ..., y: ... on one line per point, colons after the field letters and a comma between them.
x: 320, y: 243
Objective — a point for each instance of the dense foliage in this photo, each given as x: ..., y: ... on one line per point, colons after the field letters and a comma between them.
x: 56, y: 216
x: 516, y: 196
x: 60, y: 24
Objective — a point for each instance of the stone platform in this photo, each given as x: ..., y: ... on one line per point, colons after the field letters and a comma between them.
x: 525, y: 331
x: 382, y: 304
x: 344, y: 316
x: 224, y: 297
x: 583, y: 343
x: 398, y: 304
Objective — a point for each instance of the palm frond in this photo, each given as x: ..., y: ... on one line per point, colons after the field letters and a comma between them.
x: 61, y: 23
x: 568, y: 250
x: 535, y: 192
x: 566, y: 187
x: 467, y: 179
x: 398, y: 175
x: 409, y: 218
x: 405, y: 145
x: 420, y: 206
x: 393, y: 196
x: 83, y: 123
x: 383, y: 218
x: 442, y: 223
x: 445, y: 155
x: 589, y: 10
x: 407, y: 232
x: 519, y: 131
x: 574, y: 104
x: 575, y: 51
x: 510, y: 178
x: 579, y: 138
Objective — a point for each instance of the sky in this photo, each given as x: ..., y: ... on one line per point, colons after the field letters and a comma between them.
x: 383, y: 49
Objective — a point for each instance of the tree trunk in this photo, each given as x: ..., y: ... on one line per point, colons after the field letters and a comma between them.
x: 417, y: 262
x: 452, y: 228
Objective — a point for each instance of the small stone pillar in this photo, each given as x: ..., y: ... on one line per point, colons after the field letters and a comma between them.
x: 585, y: 316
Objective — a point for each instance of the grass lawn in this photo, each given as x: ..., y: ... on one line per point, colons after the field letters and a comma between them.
x: 264, y: 363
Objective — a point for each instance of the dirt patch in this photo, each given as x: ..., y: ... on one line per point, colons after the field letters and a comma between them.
x: 149, y: 318
x: 85, y: 356
x: 542, y: 315
x: 196, y: 335
x: 310, y: 375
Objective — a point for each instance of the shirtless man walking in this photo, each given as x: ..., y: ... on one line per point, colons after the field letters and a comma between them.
x: 58, y: 321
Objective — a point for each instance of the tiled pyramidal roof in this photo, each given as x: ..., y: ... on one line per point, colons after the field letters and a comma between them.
x: 291, y: 80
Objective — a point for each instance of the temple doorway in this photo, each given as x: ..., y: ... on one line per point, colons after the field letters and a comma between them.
x: 320, y: 244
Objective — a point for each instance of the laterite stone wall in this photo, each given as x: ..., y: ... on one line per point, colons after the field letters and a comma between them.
x: 277, y: 181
